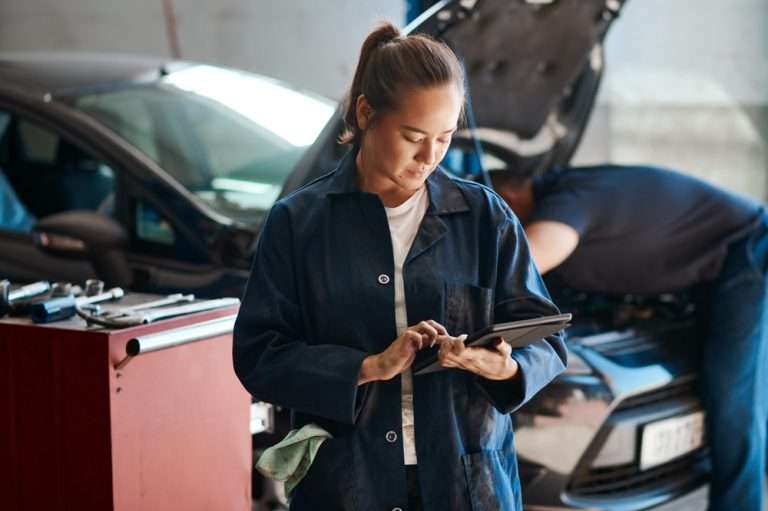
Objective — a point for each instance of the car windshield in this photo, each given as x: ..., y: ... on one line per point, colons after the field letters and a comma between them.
x: 232, y: 138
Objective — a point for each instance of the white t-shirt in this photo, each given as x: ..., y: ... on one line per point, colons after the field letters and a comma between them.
x: 404, y: 221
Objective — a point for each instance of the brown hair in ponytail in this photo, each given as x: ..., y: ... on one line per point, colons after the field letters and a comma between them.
x: 390, y: 63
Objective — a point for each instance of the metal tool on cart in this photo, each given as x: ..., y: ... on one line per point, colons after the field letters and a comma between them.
x: 151, y: 311
x: 65, y: 307
x: 9, y: 298
x: 130, y: 310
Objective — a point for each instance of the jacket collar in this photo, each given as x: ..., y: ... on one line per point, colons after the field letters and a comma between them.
x: 444, y: 194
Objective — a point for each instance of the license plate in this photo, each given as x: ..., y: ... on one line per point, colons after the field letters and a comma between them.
x: 668, y: 439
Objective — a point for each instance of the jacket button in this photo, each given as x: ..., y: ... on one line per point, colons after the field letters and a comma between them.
x: 391, y: 437
x: 383, y: 279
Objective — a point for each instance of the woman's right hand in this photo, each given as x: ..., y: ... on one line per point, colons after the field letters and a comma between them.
x: 400, y: 354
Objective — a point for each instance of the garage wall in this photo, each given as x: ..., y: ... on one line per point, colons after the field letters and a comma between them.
x: 686, y: 86
x: 314, y: 44
x: 94, y: 25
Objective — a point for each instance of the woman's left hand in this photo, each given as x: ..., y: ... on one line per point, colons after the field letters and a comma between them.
x: 493, y: 362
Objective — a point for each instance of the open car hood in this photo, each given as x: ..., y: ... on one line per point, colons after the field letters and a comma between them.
x: 533, y: 69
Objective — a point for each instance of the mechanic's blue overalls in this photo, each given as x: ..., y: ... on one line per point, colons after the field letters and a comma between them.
x: 735, y: 357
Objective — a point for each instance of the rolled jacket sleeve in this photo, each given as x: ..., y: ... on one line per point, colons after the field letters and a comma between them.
x: 271, y: 355
x: 521, y: 294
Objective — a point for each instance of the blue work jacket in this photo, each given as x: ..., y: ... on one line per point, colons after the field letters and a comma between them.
x: 320, y: 299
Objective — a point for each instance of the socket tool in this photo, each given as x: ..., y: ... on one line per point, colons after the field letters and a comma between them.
x: 94, y: 287
x: 9, y: 298
x: 28, y: 291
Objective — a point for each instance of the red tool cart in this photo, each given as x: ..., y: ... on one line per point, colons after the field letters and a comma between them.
x: 87, y: 426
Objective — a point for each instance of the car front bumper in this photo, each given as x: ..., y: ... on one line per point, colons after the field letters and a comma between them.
x: 579, y: 441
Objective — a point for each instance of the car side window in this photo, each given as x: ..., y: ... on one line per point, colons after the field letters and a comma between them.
x: 152, y: 226
x: 50, y: 174
x: 154, y: 233
x: 38, y: 144
x: 5, y: 121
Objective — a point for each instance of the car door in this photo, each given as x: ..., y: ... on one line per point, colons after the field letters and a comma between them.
x: 165, y: 258
x: 43, y: 173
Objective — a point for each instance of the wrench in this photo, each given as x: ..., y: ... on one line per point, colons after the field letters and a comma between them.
x: 168, y: 300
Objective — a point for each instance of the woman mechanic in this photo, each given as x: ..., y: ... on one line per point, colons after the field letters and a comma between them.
x: 380, y: 261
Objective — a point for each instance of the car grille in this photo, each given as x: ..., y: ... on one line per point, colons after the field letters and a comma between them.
x: 628, y: 480
x: 683, y: 387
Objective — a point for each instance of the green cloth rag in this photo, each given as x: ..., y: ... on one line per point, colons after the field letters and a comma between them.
x: 290, y: 458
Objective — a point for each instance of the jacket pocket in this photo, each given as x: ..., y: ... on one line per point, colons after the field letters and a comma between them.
x: 492, y: 481
x: 468, y: 308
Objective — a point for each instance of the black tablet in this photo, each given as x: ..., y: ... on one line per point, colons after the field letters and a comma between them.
x: 516, y: 333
